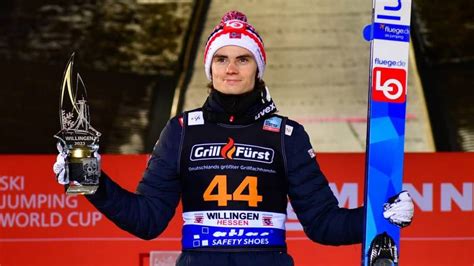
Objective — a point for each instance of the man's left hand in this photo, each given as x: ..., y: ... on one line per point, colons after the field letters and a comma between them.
x: 399, y: 209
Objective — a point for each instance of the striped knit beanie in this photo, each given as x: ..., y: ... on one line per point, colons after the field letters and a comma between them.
x: 234, y: 30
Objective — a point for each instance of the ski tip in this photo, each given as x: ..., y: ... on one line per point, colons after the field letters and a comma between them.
x: 368, y: 33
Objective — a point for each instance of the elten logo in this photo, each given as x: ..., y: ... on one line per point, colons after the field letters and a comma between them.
x: 389, y: 85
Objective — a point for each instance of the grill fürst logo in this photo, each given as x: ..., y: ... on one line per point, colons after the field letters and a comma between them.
x: 231, y: 151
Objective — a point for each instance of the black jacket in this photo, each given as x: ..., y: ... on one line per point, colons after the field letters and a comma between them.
x: 147, y: 212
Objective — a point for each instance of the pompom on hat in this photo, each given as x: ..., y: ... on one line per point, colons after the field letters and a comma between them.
x: 235, y: 30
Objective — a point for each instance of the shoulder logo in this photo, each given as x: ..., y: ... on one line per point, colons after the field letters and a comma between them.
x: 195, y: 118
x: 272, y: 124
x: 288, y: 130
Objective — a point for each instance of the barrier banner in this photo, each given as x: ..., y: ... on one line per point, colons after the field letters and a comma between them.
x: 41, y: 225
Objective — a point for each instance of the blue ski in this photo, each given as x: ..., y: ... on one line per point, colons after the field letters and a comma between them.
x: 389, y: 35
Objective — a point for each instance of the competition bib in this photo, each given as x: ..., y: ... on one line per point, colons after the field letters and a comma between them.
x: 233, y: 228
x: 234, y: 184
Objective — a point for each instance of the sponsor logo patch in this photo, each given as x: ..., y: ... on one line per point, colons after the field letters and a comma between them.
x: 235, y: 35
x: 267, y: 220
x: 288, y: 130
x: 231, y: 151
x: 265, y: 111
x: 198, y: 218
x: 272, y: 124
x: 195, y: 118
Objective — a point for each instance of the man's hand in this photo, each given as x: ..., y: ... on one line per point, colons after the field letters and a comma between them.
x: 59, y: 167
x: 399, y: 209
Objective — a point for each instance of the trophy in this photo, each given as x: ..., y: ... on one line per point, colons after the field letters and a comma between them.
x: 78, y: 139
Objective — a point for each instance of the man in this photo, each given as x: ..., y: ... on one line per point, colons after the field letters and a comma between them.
x: 234, y: 163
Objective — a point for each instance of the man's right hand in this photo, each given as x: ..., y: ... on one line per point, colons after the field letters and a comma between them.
x: 399, y: 209
x: 59, y: 167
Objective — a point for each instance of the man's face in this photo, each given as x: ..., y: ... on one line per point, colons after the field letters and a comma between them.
x: 233, y: 70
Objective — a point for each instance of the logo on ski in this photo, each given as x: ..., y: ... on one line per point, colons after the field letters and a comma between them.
x: 389, y: 85
x: 390, y: 9
x: 391, y: 32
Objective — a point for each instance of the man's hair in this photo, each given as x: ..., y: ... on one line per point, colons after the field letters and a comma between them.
x: 259, y: 85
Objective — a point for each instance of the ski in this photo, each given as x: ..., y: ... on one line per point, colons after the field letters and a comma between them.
x: 389, y: 36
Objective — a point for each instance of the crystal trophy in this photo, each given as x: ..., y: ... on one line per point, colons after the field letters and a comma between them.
x: 78, y: 139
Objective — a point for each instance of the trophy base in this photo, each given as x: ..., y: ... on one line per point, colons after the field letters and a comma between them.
x: 78, y: 189
x: 83, y: 174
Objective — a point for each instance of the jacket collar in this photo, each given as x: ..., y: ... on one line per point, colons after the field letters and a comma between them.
x: 238, y: 109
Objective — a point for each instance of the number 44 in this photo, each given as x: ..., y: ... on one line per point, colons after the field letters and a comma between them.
x: 220, y: 181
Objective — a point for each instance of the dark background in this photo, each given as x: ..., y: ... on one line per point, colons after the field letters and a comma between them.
x: 131, y: 56
x: 443, y: 37
x: 128, y: 55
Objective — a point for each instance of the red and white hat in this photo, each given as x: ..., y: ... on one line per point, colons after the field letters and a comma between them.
x: 234, y: 30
